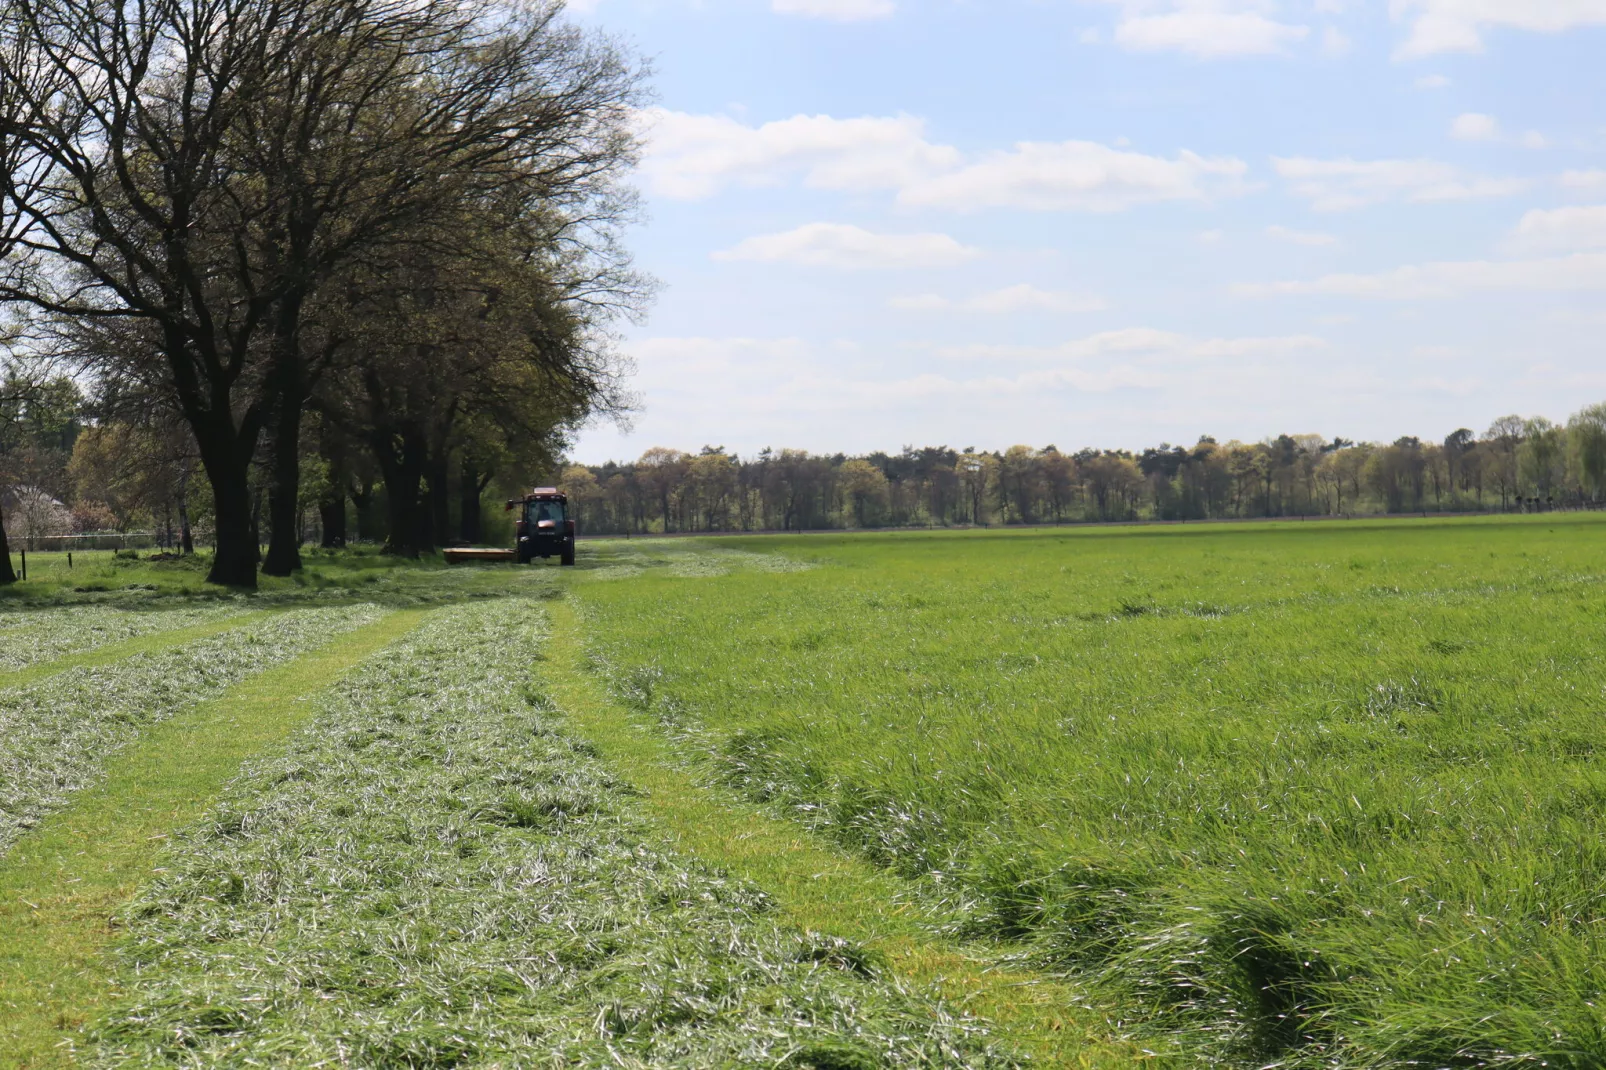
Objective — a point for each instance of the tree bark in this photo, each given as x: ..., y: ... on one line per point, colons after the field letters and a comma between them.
x: 7, y: 575
x: 289, y: 398
x: 332, y: 518
x: 439, y: 500
x: 186, y: 538
x: 470, y: 491
x: 402, y: 460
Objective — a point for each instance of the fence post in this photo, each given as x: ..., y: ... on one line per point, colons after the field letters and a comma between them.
x: 25, y: 566
x: 69, y: 560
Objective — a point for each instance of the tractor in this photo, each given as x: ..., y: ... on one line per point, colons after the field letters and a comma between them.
x: 544, y: 528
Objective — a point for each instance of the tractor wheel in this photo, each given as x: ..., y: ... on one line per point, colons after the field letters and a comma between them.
x: 568, y: 554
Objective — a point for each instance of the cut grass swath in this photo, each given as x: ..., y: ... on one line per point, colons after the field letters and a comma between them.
x: 434, y: 874
x: 179, y: 634
x: 62, y: 883
x: 56, y: 733
x: 31, y: 638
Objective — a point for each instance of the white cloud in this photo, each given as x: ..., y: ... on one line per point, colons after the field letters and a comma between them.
x: 1208, y: 34
x: 1335, y: 42
x: 1028, y: 298
x: 841, y: 10
x: 1582, y: 271
x: 1433, y: 81
x: 847, y: 247
x: 1075, y: 175
x: 1210, y: 237
x: 1475, y: 127
x: 1561, y: 229
x: 1336, y: 185
x: 1301, y: 237
x: 696, y: 156
x: 691, y: 157
x: 1584, y: 179
x: 919, y: 302
x: 1007, y: 301
x: 1457, y: 25
x: 1140, y: 344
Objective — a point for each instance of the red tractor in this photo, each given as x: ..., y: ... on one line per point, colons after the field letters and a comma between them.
x: 544, y: 528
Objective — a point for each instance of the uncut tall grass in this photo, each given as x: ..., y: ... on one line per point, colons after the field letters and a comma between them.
x: 1288, y: 793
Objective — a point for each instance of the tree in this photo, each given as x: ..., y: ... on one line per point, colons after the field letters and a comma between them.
x: 1587, y: 438
x: 1502, y: 440
x: 1541, y: 455
x: 207, y: 167
x: 862, y: 485
x: 29, y: 403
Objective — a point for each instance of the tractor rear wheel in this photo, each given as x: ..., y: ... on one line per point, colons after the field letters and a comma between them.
x: 568, y: 554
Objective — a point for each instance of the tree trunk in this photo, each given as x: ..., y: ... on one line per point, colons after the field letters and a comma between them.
x: 363, y: 503
x: 7, y: 575
x: 289, y: 398
x: 401, y: 465
x: 284, y: 539
x: 234, y: 562
x: 440, y: 528
x: 332, y: 505
x: 186, y: 540
x: 332, y: 518
x: 472, y: 486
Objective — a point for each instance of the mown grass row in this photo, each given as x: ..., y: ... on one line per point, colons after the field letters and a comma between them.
x: 435, y: 874
x: 31, y: 638
x: 56, y: 734
x: 1321, y: 797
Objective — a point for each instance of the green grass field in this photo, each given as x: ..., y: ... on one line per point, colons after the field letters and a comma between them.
x: 1295, y: 793
x: 1291, y: 794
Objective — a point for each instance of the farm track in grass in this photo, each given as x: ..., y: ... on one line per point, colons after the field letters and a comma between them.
x: 1312, y: 795
x: 61, y: 884
x: 56, y: 734
x: 436, y: 873
x: 817, y: 886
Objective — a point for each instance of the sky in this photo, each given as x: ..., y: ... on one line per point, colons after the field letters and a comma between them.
x: 1111, y: 223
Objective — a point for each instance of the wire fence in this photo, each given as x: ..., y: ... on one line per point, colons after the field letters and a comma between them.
x: 115, y: 540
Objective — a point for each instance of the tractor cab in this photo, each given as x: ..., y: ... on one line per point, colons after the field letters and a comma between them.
x: 543, y: 527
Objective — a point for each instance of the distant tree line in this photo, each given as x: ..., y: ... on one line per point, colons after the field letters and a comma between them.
x: 1517, y: 464
x: 295, y: 251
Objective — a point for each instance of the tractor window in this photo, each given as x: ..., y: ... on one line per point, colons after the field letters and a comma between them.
x: 540, y: 511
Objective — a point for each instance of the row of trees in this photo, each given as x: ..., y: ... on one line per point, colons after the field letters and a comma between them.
x: 1530, y: 464
x: 294, y: 250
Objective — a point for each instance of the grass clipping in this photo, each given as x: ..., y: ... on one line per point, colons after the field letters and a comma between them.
x: 434, y: 874
x: 55, y: 735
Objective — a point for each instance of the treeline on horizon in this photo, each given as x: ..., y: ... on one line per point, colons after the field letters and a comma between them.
x: 1529, y: 464
x: 66, y: 471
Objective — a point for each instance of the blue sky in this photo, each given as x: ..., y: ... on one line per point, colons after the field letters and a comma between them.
x: 1112, y: 222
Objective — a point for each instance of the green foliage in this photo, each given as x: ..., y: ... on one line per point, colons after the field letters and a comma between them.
x: 434, y: 874
x: 1315, y: 794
